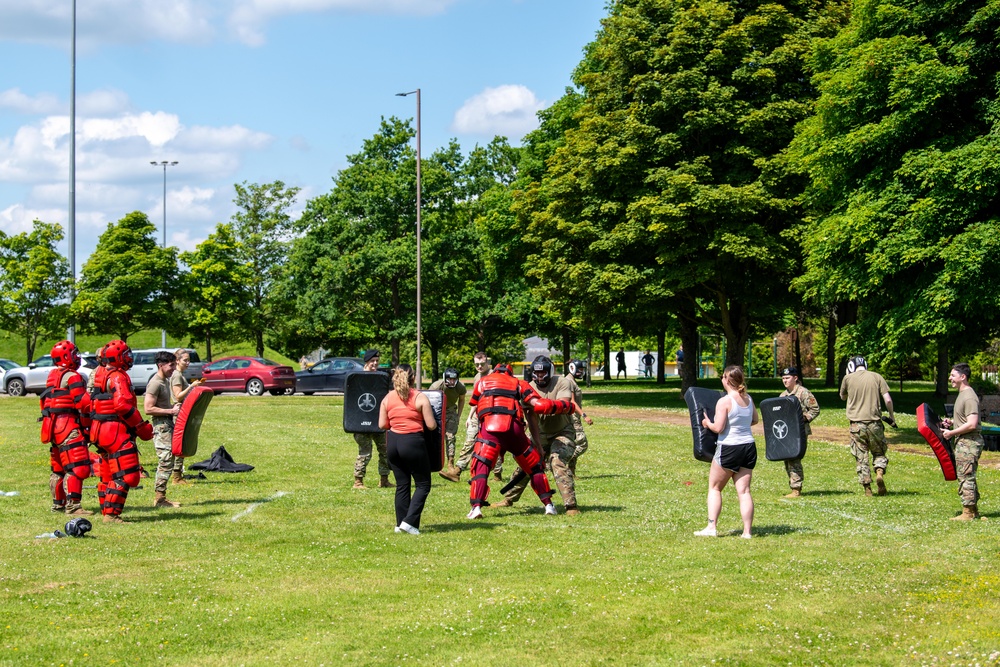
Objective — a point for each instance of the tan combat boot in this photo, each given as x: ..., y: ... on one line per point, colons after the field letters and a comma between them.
x: 384, y: 483
x: 498, y: 477
x: 502, y: 503
x: 796, y: 493
x: 161, y: 501
x: 178, y: 478
x: 868, y: 490
x: 113, y: 518
x: 77, y: 510
x: 451, y: 474
x: 359, y: 482
x: 880, y: 482
x: 572, y: 510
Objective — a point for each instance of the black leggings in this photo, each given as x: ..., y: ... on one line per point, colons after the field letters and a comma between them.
x: 408, y: 458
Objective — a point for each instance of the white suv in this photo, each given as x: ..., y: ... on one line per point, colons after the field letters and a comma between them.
x: 143, y: 367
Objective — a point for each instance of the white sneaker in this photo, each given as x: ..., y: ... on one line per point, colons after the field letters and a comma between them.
x: 707, y: 531
x: 407, y: 528
x: 475, y: 513
x: 747, y: 536
x: 551, y: 510
x: 398, y: 529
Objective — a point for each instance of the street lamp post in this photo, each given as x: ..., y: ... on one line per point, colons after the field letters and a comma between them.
x: 420, y: 377
x: 164, y: 164
x: 71, y: 235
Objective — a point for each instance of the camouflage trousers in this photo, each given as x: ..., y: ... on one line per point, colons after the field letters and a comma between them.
x: 580, y: 438
x: 365, y: 441
x: 450, y: 430
x: 868, y: 437
x: 471, y: 433
x: 167, y: 463
x: 967, y: 452
x: 795, y: 474
x: 558, y: 454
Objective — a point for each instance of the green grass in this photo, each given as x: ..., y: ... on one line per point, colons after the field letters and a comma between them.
x: 317, y: 576
x: 12, y: 347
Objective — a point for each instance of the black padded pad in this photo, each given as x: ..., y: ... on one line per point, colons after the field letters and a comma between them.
x: 701, y: 400
x: 363, y: 393
x: 784, y: 432
x: 434, y: 440
x: 187, y: 425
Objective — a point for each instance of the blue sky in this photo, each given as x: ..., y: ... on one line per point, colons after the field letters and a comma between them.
x: 254, y: 90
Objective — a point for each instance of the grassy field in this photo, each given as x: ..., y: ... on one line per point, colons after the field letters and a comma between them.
x: 287, y: 565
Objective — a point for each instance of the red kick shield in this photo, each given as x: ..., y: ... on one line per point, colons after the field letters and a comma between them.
x: 187, y: 425
x: 929, y: 426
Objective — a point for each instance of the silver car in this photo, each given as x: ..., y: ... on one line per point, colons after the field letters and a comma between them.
x: 31, y: 379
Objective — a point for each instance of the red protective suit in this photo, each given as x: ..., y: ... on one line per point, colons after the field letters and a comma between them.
x: 116, y: 423
x: 65, y: 418
x: 499, y: 399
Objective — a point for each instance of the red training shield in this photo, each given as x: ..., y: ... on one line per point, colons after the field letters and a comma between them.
x: 929, y: 426
x: 188, y: 422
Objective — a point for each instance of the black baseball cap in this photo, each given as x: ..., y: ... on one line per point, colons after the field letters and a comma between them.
x: 371, y: 354
x: 791, y: 370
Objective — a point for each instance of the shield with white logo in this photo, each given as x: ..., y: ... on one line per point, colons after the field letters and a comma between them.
x: 784, y: 435
x: 363, y: 394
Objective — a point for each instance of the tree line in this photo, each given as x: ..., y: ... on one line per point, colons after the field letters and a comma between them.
x: 717, y: 166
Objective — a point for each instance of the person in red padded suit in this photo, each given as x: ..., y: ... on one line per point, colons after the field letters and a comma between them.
x: 500, y: 400
x: 116, y: 424
x: 65, y: 420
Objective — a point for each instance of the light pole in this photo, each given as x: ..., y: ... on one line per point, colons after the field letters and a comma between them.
x: 71, y: 236
x: 420, y: 377
x: 164, y: 164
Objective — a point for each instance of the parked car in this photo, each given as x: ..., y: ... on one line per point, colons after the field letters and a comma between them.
x: 30, y: 379
x: 326, y: 375
x: 6, y: 365
x: 254, y: 375
x: 143, y: 366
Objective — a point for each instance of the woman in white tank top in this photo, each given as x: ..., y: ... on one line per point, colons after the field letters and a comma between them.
x: 735, y: 453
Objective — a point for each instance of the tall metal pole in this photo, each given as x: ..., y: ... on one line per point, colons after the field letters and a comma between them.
x: 165, y: 164
x: 71, y: 232
x: 418, y: 369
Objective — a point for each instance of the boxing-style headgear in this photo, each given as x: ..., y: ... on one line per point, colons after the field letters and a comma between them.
x: 450, y: 377
x: 856, y: 363
x: 578, y: 368
x: 119, y: 355
x: 541, y: 371
x: 78, y: 527
x: 66, y: 355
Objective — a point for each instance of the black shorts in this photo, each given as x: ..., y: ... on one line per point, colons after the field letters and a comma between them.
x: 734, y: 457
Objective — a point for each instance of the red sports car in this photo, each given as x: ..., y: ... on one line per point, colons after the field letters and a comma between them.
x: 254, y: 375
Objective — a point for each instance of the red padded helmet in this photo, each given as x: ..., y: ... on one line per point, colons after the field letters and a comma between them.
x: 66, y: 355
x: 118, y: 354
x: 503, y: 368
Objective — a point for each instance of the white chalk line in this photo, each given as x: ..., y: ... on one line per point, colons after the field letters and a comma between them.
x: 254, y: 506
x: 845, y: 515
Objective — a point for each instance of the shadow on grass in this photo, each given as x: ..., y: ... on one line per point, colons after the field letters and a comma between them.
x: 150, y: 515
x: 459, y: 526
x: 829, y: 493
x: 779, y: 529
x: 599, y: 476
x: 226, y: 501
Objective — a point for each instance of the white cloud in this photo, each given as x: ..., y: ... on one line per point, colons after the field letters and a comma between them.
x: 15, y: 100
x: 507, y: 110
x: 97, y: 103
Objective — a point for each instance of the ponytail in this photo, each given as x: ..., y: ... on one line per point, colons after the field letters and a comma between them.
x: 402, y: 381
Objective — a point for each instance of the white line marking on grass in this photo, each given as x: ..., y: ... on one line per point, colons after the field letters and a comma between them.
x: 845, y: 515
x: 9, y: 493
x: 254, y: 506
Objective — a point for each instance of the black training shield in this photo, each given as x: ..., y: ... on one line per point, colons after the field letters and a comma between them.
x: 701, y: 401
x: 363, y: 393
x: 434, y: 440
x: 784, y: 431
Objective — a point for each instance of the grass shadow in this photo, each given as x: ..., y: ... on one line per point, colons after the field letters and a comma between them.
x: 777, y: 529
x: 831, y: 492
x: 167, y: 515
x: 458, y: 526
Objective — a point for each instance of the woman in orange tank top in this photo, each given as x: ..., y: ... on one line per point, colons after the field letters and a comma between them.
x: 405, y: 413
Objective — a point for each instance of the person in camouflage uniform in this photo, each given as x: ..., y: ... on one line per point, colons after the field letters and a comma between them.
x: 558, y: 444
x: 367, y: 440
x: 454, y: 392
x: 577, y: 371
x: 862, y: 388
x: 969, y: 444
x: 482, y: 364
x: 810, y: 410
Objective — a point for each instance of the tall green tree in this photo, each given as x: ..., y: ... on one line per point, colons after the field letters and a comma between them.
x: 129, y: 283
x: 34, y: 280
x: 214, y: 289
x: 903, y: 157
x: 262, y: 228
x: 669, y: 195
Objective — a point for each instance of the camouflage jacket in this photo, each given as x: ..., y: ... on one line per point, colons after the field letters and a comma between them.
x: 810, y: 408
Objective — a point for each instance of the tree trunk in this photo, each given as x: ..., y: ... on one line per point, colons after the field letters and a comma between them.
x: 395, y: 351
x: 798, y: 342
x: 590, y: 356
x: 606, y: 342
x: 689, y: 343
x: 736, y: 327
x: 661, y: 351
x: 208, y: 348
x: 259, y: 338
x: 567, y: 351
x: 831, y: 349
x: 943, y: 369
x: 434, y: 362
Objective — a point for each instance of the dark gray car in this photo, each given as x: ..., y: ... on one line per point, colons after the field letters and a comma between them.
x: 326, y: 375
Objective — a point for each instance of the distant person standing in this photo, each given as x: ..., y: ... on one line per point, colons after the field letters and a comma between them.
x: 862, y: 388
x: 454, y: 392
x: 180, y: 387
x: 679, y: 357
x: 367, y: 440
x: 620, y: 360
x: 647, y: 364
x: 577, y: 371
x: 156, y: 404
x: 969, y: 444
x: 810, y: 410
x: 404, y: 414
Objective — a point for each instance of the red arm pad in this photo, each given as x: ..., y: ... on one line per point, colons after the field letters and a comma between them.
x: 124, y: 399
x: 545, y: 406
